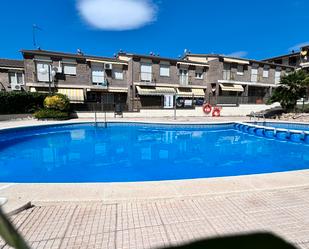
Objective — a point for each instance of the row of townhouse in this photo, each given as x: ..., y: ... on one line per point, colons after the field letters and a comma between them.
x: 148, y: 81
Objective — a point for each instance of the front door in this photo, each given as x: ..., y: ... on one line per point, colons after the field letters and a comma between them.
x: 183, y: 77
x: 168, y: 101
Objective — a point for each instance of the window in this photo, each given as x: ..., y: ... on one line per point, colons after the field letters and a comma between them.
x: 265, y: 71
x: 183, y: 76
x: 277, y: 75
x: 16, y: 78
x: 199, y: 73
x: 117, y: 73
x: 97, y: 74
x: 226, y: 71
x: 240, y: 69
x: 69, y: 69
x: 146, y: 72
x: 164, y: 70
x: 43, y: 71
x: 254, y: 73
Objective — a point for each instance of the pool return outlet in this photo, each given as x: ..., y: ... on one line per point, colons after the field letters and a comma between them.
x: 297, y: 136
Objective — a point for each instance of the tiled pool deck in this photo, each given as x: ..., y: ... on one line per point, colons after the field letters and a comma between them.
x: 155, y: 214
x: 155, y: 223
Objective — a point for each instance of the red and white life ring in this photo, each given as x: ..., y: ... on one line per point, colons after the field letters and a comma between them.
x: 207, y: 108
x: 216, y: 112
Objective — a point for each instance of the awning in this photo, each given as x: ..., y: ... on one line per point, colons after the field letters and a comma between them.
x: 155, y: 91
x: 108, y: 62
x: 75, y: 95
x: 230, y: 60
x: 232, y: 87
x: 198, y: 92
x: 117, y: 90
x: 192, y: 64
x: 191, y: 92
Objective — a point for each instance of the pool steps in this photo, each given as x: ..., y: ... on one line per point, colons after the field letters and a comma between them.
x: 274, y: 133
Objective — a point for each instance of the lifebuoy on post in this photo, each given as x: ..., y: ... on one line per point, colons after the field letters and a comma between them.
x: 207, y: 108
x: 216, y: 112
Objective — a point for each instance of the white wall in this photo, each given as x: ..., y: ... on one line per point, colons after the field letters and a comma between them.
x: 239, y: 111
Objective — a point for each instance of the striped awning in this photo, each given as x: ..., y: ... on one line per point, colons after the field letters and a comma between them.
x: 191, y: 92
x: 198, y: 92
x: 232, y: 60
x: 231, y: 87
x: 155, y: 90
x: 75, y: 95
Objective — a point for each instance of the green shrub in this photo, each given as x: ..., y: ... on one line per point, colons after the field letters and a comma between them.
x: 57, y: 102
x: 51, y: 114
x: 21, y: 102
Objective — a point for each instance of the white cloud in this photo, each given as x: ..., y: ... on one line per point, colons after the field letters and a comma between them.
x: 117, y: 14
x: 299, y: 45
x: 238, y: 54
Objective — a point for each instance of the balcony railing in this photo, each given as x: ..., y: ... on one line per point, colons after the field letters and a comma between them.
x: 236, y: 100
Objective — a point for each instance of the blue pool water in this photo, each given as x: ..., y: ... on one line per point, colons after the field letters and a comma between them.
x: 140, y: 152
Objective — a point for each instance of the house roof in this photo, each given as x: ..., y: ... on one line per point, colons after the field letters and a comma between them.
x: 11, y: 63
x: 238, y: 58
x: 154, y: 57
x: 68, y: 55
x: 282, y: 56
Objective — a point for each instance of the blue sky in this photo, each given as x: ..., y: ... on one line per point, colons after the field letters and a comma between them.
x: 253, y: 29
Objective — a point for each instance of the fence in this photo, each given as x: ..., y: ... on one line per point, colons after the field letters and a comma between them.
x: 98, y: 107
x: 237, y: 100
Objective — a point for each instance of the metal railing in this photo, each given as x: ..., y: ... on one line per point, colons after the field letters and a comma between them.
x: 97, y: 106
x: 237, y: 100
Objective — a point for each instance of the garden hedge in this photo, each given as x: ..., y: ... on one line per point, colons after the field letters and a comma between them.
x: 21, y: 102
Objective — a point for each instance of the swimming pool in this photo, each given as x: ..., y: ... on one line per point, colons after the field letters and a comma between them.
x: 125, y: 152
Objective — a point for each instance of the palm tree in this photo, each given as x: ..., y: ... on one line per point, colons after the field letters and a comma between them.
x: 292, y: 87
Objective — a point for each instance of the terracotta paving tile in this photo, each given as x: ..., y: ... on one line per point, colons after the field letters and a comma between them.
x: 157, y: 223
x: 147, y: 237
x: 185, y: 232
x: 93, y: 241
x: 178, y: 211
x: 136, y: 215
x: 93, y: 218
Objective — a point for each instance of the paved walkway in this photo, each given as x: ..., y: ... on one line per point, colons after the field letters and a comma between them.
x: 156, y: 223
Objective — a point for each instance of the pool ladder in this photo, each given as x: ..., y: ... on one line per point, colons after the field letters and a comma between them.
x: 96, y: 119
x: 256, y: 117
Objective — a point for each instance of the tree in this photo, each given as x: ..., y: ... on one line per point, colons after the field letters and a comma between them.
x: 292, y: 87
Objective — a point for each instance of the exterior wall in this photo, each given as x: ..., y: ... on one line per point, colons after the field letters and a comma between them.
x: 30, y: 71
x: 240, y: 111
x: 82, y: 77
x: 173, y: 79
x: 4, y: 79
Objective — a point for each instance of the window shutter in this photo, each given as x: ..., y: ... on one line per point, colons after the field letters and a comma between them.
x: 69, y: 69
x: 118, y: 73
x: 165, y: 70
x: 97, y: 73
x: 43, y: 72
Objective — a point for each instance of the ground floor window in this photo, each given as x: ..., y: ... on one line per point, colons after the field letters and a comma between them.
x: 151, y: 101
x: 106, y: 98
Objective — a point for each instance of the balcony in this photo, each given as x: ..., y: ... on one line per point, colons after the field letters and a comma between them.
x: 228, y: 75
x: 185, y: 80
